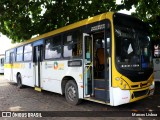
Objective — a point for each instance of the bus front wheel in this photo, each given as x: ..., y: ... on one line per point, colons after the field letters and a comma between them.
x: 19, y: 81
x: 71, y: 93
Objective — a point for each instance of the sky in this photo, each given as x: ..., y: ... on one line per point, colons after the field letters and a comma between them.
x: 5, y: 43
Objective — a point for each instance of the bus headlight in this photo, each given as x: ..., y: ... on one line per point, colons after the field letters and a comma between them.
x: 153, y: 83
x: 117, y: 78
x: 123, y: 84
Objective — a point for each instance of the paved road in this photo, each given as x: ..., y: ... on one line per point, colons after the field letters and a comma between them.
x: 26, y: 99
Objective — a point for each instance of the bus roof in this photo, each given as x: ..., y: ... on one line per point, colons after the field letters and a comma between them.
x: 66, y: 28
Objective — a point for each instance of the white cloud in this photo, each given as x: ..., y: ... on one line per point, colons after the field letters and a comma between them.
x: 5, y: 43
x: 128, y: 12
x: 118, y: 2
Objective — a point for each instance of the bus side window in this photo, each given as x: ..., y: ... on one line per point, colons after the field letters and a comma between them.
x: 19, y: 54
x: 53, y: 47
x: 28, y: 52
x: 72, y: 44
x: 2, y: 61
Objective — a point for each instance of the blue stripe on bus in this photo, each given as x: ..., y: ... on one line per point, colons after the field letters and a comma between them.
x: 39, y: 42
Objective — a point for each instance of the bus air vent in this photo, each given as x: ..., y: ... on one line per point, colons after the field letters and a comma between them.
x: 140, y: 93
x: 144, y: 84
x: 134, y: 86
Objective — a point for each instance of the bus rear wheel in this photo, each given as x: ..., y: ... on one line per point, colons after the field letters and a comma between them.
x: 19, y: 81
x: 71, y: 93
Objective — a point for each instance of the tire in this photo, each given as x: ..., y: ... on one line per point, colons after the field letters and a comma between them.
x: 71, y: 93
x: 19, y: 81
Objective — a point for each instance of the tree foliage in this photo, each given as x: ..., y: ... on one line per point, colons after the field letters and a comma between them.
x: 148, y: 11
x: 21, y: 19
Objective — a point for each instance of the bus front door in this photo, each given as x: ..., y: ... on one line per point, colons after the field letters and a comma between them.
x: 96, y: 67
x: 37, y: 66
x: 88, y: 64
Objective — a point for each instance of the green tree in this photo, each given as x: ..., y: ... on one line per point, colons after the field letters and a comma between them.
x: 149, y: 12
x: 20, y: 20
x: 17, y: 18
x: 146, y: 10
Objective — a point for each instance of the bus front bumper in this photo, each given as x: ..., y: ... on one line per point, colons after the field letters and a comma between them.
x: 120, y: 96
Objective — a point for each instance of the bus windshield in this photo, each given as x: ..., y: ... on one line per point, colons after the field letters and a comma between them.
x: 133, y: 50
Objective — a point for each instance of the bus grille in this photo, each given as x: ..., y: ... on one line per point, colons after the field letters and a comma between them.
x: 140, y: 93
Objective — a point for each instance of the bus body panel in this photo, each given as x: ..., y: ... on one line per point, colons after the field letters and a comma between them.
x: 53, y: 73
x: 1, y: 69
x: 8, y: 73
x: 26, y: 72
x: 120, y: 96
x: 25, y: 69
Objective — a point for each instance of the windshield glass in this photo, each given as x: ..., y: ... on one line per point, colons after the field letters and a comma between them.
x: 133, y: 51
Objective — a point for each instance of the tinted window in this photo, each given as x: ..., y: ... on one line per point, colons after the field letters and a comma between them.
x: 53, y: 47
x: 133, y: 51
x: 19, y: 54
x: 72, y: 44
x: 2, y: 61
x: 28, y: 52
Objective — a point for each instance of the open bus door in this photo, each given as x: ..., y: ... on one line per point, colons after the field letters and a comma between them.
x: 37, y: 60
x: 96, y: 72
x: 88, y: 63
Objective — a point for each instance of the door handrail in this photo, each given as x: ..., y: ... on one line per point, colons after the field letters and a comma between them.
x: 88, y: 67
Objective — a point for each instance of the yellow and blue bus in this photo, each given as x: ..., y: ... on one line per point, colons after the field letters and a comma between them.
x: 106, y: 59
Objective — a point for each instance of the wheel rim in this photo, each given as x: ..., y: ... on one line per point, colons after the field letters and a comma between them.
x: 71, y: 93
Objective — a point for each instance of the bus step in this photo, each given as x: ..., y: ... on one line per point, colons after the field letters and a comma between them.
x: 99, y: 83
x: 100, y: 74
x: 99, y: 79
x: 100, y: 94
x: 38, y: 89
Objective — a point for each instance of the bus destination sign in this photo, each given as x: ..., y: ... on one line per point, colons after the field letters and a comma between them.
x: 98, y: 27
